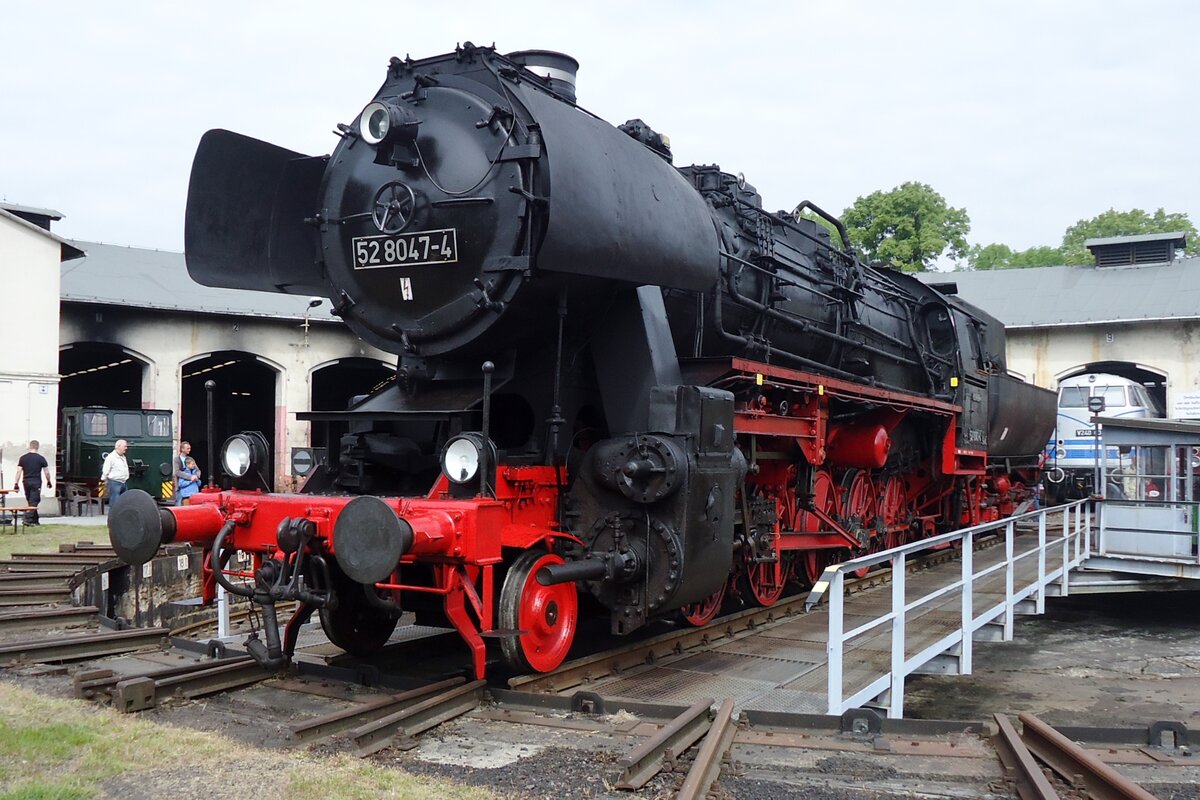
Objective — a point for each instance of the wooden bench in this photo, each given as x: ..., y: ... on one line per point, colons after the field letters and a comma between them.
x: 17, y: 514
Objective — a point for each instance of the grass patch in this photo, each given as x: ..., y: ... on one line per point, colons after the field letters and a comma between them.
x: 41, y: 790
x: 43, y: 743
x: 91, y: 750
x: 47, y: 537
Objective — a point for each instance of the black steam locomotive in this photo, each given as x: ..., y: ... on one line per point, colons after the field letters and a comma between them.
x: 614, y: 375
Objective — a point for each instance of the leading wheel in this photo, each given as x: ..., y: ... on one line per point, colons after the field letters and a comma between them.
x: 355, y: 625
x: 546, y: 616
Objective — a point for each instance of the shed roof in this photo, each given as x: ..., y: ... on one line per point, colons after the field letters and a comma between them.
x: 1149, y: 430
x: 133, y: 276
x: 67, y: 251
x: 17, y: 208
x: 1179, y: 237
x: 1044, y: 297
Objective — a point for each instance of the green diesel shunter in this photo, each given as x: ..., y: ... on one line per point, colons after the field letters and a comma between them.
x: 88, y: 433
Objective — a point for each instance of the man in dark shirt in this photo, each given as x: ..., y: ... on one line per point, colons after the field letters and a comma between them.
x: 30, y: 468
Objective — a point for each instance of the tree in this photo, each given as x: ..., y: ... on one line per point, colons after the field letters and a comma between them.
x: 907, y: 227
x: 1001, y: 256
x: 1125, y: 223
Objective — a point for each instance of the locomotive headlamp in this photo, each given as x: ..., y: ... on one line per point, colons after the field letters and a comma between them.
x: 461, y: 457
x: 235, y: 456
x: 246, y: 455
x: 375, y: 123
x: 381, y: 121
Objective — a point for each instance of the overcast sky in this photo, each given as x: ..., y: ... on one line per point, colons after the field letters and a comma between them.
x: 1030, y: 115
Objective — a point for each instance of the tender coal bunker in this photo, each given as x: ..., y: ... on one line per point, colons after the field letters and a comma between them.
x: 335, y: 385
x: 243, y: 400
x: 99, y: 374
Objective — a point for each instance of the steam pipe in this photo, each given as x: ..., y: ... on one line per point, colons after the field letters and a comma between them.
x: 808, y: 327
x: 752, y: 345
x: 587, y: 569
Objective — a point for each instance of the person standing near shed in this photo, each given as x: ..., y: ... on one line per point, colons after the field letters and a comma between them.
x: 115, y: 472
x: 30, y: 469
x: 182, y: 477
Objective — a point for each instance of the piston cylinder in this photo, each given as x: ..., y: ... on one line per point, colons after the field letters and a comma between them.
x: 862, y: 446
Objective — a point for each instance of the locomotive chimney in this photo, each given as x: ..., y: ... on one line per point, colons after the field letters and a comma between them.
x: 558, y: 69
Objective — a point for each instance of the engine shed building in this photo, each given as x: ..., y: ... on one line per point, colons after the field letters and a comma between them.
x: 127, y: 327
x: 1135, y: 313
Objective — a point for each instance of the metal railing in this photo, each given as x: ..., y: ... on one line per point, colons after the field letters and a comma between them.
x: 1074, y: 544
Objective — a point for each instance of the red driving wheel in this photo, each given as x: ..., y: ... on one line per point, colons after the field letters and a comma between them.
x: 547, y: 616
x: 894, y: 509
x: 825, y: 499
x: 860, y: 508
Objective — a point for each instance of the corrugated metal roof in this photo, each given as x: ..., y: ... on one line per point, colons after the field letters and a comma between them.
x: 1053, y: 296
x: 132, y: 276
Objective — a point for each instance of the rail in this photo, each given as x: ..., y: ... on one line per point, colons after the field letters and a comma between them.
x: 1082, y: 769
x: 1074, y: 546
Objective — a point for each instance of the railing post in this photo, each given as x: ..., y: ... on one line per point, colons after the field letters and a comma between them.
x: 1063, y: 581
x: 1041, y: 584
x: 1008, y: 581
x: 833, y: 649
x: 896, y: 701
x: 1087, y: 529
x: 1081, y: 540
x: 1102, y: 525
x: 968, y: 605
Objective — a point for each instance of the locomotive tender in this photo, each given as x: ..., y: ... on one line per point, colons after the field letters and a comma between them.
x: 614, y: 376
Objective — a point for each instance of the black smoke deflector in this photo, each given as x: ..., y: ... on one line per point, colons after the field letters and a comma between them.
x: 246, y: 209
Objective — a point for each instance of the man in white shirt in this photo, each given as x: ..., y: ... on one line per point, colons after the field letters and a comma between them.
x: 115, y: 472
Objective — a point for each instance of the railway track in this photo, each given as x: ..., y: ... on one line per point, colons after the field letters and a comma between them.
x: 1079, y: 769
x: 137, y: 692
x: 701, y: 739
x: 47, y: 618
x: 60, y: 649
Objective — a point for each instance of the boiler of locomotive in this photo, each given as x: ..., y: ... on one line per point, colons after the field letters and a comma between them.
x: 458, y: 204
